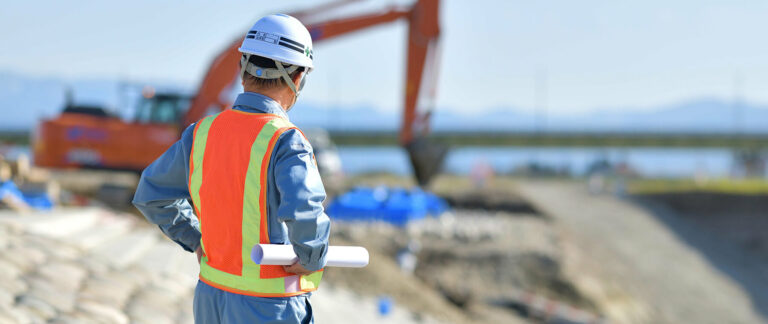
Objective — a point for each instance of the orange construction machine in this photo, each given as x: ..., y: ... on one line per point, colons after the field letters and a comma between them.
x: 87, y: 137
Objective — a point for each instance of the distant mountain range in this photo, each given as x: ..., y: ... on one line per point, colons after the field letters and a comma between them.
x: 24, y: 100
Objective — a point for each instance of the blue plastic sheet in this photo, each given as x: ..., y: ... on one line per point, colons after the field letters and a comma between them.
x: 37, y: 200
x: 396, y: 206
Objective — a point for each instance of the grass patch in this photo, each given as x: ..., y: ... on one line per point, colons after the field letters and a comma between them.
x: 14, y: 137
x: 729, y: 186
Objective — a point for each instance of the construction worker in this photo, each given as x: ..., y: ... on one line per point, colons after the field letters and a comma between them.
x: 251, y: 178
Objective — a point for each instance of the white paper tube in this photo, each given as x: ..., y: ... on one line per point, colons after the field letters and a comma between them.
x: 337, y: 256
x: 347, y: 256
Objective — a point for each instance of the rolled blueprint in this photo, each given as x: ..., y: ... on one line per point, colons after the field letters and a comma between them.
x: 337, y: 256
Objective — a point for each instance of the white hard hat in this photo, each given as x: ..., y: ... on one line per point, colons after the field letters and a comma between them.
x: 280, y: 37
x: 283, y: 39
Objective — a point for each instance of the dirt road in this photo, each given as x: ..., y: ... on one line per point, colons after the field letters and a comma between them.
x: 632, y: 265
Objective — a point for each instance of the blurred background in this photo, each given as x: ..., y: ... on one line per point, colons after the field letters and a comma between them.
x: 503, y: 161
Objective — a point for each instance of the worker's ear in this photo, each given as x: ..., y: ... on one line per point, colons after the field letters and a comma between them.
x: 297, y: 78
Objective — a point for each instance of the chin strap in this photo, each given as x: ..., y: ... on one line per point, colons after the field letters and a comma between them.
x: 287, y: 78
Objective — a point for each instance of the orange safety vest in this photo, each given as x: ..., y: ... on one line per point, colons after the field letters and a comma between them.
x: 228, y: 185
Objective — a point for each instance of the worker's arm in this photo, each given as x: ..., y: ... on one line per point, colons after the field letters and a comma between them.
x: 162, y: 195
x: 301, y: 199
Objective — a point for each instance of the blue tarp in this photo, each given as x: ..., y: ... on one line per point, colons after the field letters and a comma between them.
x: 37, y: 200
x: 392, y: 205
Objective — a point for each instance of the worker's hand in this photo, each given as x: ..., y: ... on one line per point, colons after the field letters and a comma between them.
x: 199, y: 253
x: 297, y: 269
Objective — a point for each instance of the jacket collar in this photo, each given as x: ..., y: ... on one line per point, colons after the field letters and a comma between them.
x: 255, y: 102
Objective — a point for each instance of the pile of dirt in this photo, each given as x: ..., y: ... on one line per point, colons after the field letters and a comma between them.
x: 495, y: 259
x: 492, y: 258
x: 497, y: 194
x: 472, y: 266
x: 490, y: 199
x: 382, y: 277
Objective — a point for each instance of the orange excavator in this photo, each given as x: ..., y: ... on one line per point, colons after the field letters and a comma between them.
x: 88, y: 137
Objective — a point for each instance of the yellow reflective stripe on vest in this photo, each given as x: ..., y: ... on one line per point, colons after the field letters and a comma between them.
x: 253, y: 192
x: 198, y: 145
x: 311, y: 281
x: 200, y: 136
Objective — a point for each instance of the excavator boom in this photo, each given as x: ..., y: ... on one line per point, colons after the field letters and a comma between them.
x: 333, y: 28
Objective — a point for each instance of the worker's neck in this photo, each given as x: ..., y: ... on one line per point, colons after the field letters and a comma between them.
x: 282, y: 95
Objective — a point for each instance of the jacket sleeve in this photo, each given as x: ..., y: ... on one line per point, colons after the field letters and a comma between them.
x: 163, y: 195
x: 301, y: 199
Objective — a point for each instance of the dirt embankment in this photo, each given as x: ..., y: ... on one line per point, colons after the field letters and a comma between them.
x: 645, y: 264
x: 476, y: 265
x: 728, y: 231
x: 740, y: 219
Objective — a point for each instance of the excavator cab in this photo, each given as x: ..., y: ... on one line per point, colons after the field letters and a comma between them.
x: 90, y: 137
x: 162, y: 108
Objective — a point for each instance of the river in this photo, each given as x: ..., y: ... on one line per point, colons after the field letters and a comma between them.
x: 651, y: 162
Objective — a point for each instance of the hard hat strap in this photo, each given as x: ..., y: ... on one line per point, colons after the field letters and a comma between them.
x: 243, y: 63
x: 287, y: 78
x: 269, y: 73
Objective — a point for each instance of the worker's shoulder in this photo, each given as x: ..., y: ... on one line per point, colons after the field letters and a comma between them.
x: 189, y: 130
x: 295, y: 139
x: 188, y: 134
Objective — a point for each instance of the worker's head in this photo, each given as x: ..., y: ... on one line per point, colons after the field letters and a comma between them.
x: 277, y: 56
x: 276, y: 85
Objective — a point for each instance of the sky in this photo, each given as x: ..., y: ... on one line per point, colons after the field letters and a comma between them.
x: 567, y: 56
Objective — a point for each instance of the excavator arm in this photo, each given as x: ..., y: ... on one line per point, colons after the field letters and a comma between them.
x: 423, y: 36
x: 333, y: 28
